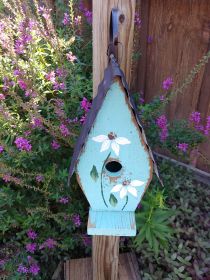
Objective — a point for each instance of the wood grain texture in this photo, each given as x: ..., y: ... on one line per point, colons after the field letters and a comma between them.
x: 81, y: 269
x: 101, y: 21
x: 105, y: 257
x: 179, y: 41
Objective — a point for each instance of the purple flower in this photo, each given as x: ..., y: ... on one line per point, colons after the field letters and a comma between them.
x: 149, y: 39
x: 6, y: 178
x: 60, y: 72
x: 1, y: 149
x: 77, y: 20
x: 88, y: 15
x: 31, y: 234
x: 137, y: 20
x: 55, y: 145
x: 207, y: 128
x: 59, y: 102
x: 76, y: 220
x: 66, y: 19
x: 22, y: 269
x: 31, y: 247
x: 182, y: 147
x: 2, y: 96
x: 34, y: 269
x: 64, y: 130
x: 161, y: 121
x: 2, y: 262
x: 64, y: 200
x: 162, y: 97
x: 71, y: 57
x: 195, y: 117
x: 83, y: 119
x: 50, y: 243
x: 167, y: 83
x: 17, y: 72
x: 39, y: 178
x: 85, y: 104
x: 86, y: 240
x: 162, y: 124
x: 22, y: 84
x: 23, y: 144
x: 51, y: 76
x: 58, y: 86
x: 36, y: 123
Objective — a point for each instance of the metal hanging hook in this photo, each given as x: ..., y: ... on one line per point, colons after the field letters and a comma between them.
x: 115, y: 18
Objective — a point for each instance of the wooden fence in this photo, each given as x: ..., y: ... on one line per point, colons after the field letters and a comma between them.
x: 172, y: 38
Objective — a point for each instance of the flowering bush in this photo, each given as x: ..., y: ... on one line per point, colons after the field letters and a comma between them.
x: 45, y: 89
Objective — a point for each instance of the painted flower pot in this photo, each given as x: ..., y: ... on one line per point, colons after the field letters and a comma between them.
x: 112, y: 160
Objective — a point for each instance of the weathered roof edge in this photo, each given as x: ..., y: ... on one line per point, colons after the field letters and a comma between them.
x: 110, y: 73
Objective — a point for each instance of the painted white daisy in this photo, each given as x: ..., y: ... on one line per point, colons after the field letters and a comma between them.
x: 111, y: 140
x: 127, y: 186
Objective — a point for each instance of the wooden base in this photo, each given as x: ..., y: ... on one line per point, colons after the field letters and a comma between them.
x: 81, y: 269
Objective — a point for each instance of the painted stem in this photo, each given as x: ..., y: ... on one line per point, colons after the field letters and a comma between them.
x: 102, y: 192
x: 125, y: 202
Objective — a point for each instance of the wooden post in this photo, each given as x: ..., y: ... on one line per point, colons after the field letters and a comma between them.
x: 105, y: 257
x: 101, y: 19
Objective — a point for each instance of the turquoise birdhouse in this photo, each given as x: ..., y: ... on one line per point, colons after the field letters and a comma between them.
x: 112, y: 159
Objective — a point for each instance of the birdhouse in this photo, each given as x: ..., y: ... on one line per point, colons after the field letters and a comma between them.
x: 112, y: 159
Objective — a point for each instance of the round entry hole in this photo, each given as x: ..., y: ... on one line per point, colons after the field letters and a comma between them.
x: 113, y: 166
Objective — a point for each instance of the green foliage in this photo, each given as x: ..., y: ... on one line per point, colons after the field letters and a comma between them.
x: 153, y: 222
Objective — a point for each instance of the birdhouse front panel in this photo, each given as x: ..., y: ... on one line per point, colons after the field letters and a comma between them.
x: 114, y: 167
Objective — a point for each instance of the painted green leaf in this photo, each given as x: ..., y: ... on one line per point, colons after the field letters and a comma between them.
x: 94, y: 173
x: 112, y: 200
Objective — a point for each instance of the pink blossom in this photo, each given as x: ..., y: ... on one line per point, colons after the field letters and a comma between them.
x: 2, y: 96
x: 51, y: 76
x: 22, y: 269
x: 55, y: 145
x: 207, y: 128
x: 6, y: 178
x: 39, y: 178
x: 195, y: 117
x: 76, y: 220
x: 1, y: 149
x: 36, y: 123
x: 83, y: 119
x: 23, y: 144
x: 71, y: 57
x: 31, y: 247
x: 64, y: 130
x: 85, y: 104
x: 162, y: 97
x: 50, y: 243
x: 34, y: 269
x: 137, y: 20
x: 167, y: 83
x: 162, y: 124
x: 64, y: 200
x: 77, y: 20
x: 182, y: 147
x: 22, y: 84
x: 30, y: 93
x: 31, y: 234
x: 58, y: 86
x: 66, y: 19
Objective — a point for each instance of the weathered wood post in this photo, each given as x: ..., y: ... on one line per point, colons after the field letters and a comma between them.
x: 111, y: 158
x: 105, y: 256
